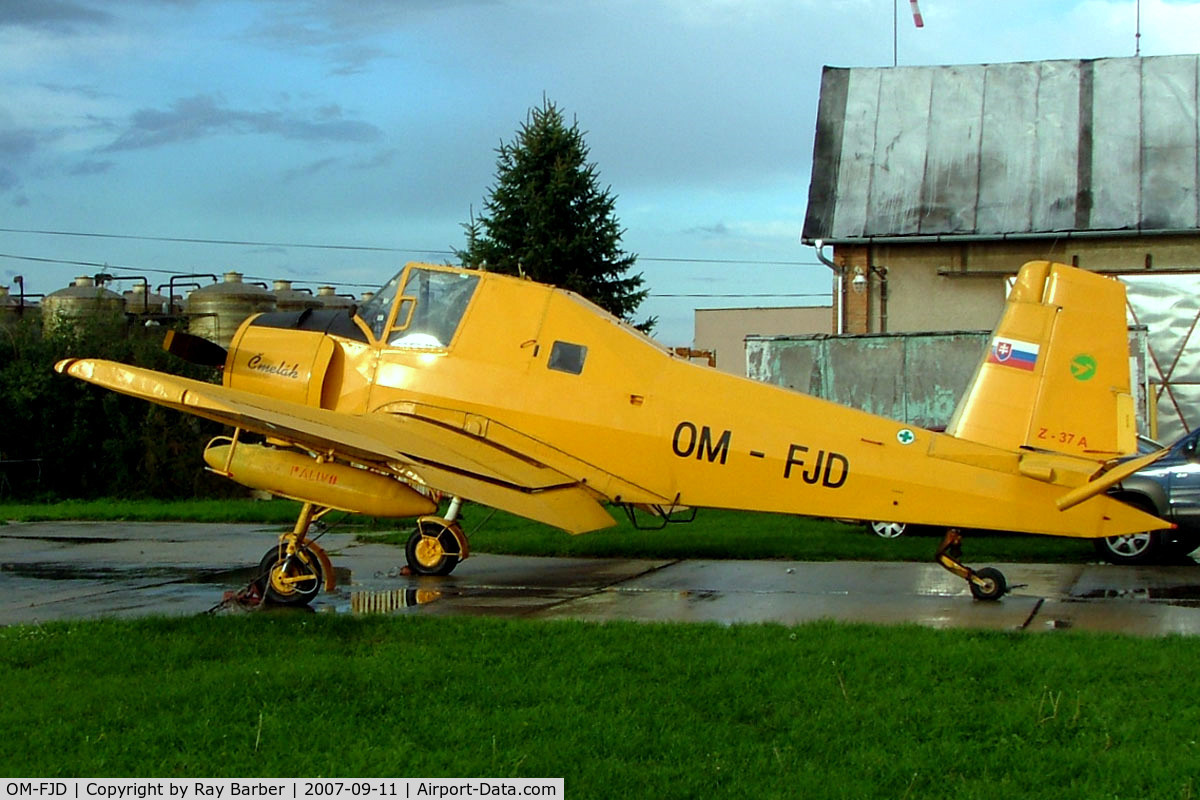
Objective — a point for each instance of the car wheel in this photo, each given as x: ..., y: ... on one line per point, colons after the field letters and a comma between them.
x: 888, y: 530
x: 1130, y: 548
x: 1182, y: 544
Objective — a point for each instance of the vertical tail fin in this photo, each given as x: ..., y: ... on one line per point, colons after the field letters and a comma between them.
x: 1056, y: 376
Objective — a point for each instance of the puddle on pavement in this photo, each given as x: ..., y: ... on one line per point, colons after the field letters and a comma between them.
x: 492, y: 600
x: 387, y: 601
x: 66, y: 539
x: 1185, y: 596
x: 61, y: 572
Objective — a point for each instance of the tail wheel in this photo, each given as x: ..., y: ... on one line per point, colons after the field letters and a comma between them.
x: 290, y: 580
x: 435, y: 548
x: 991, y: 586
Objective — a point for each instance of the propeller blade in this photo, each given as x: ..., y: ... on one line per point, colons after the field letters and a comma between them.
x: 195, y: 349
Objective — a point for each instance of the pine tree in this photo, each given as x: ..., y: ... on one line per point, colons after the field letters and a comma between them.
x: 548, y: 219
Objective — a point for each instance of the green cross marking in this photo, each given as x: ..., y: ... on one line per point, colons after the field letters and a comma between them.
x: 905, y: 436
x: 1083, y: 367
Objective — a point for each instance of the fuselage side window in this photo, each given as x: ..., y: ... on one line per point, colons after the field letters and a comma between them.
x: 432, y: 304
x: 567, y: 357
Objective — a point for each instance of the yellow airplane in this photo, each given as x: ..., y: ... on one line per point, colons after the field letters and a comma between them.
x: 528, y: 398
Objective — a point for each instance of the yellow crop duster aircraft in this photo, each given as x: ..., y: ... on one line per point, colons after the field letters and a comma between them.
x: 531, y: 399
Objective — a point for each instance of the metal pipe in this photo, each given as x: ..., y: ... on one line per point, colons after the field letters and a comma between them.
x: 840, y: 275
x: 938, y: 238
x: 102, y: 278
x: 171, y: 285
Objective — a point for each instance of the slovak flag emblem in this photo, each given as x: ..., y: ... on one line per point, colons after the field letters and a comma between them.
x: 1013, y: 353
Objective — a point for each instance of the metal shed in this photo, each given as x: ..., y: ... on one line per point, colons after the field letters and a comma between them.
x: 1006, y: 149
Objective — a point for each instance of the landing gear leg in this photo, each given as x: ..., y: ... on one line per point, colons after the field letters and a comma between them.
x: 291, y: 573
x: 985, y: 584
x: 438, y: 544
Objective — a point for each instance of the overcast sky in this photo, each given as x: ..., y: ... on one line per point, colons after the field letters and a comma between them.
x: 371, y: 125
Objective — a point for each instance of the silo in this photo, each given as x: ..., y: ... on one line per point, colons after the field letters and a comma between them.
x: 332, y: 300
x: 289, y: 299
x: 137, y: 301
x: 9, y: 306
x: 216, y: 311
x: 81, y: 301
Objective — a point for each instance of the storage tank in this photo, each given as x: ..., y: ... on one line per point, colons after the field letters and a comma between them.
x: 216, y: 311
x: 289, y: 299
x: 330, y: 299
x: 137, y: 301
x: 81, y: 301
x: 8, y: 307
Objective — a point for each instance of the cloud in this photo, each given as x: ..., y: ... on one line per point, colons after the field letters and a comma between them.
x: 200, y: 116
x: 312, y: 168
x: 716, y: 229
x: 340, y: 31
x: 54, y: 15
x: 8, y: 179
x: 16, y: 144
x: 89, y: 167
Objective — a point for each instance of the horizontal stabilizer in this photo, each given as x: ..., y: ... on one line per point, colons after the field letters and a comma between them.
x: 1107, y: 480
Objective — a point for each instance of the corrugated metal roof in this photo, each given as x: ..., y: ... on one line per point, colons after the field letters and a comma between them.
x: 1006, y: 149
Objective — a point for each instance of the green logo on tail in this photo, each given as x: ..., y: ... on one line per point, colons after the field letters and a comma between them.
x: 1083, y: 367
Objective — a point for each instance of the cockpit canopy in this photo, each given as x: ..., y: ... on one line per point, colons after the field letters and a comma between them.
x: 421, y: 307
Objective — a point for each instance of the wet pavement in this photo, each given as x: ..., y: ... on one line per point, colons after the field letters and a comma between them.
x: 75, y: 570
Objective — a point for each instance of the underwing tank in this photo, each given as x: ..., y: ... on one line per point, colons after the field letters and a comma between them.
x: 83, y: 300
x: 216, y: 311
x: 300, y: 477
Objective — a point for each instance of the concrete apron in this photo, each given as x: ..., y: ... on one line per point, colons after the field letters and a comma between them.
x: 76, y: 570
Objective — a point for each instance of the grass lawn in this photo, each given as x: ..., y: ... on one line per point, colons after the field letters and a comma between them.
x: 618, y: 709
x: 713, y: 534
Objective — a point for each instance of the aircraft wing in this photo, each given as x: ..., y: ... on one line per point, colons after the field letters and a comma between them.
x: 451, y: 460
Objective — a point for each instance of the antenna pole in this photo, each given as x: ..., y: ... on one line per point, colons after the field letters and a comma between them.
x: 1137, y: 36
x: 894, y: 25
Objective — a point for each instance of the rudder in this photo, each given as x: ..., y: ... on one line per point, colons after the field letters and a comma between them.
x: 1056, y: 374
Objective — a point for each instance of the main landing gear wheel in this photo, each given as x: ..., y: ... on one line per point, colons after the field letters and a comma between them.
x: 435, y: 547
x: 291, y: 573
x: 985, y: 584
x: 290, y: 580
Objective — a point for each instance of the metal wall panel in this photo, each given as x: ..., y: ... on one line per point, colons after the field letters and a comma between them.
x: 901, y: 136
x: 1056, y: 145
x: 857, y: 153
x: 1168, y: 156
x: 914, y: 377
x: 1006, y: 170
x: 917, y: 378
x: 983, y: 150
x: 950, y: 183
x: 1117, y: 144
